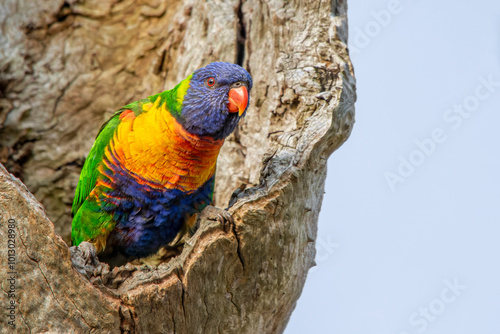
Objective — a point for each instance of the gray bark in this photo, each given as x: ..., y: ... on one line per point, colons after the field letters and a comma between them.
x: 65, y: 66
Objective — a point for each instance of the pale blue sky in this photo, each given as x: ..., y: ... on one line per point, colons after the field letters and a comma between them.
x: 422, y: 255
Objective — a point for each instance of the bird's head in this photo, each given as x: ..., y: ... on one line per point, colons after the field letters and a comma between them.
x: 217, y: 97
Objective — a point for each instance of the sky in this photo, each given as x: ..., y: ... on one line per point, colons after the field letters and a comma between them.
x: 408, y: 237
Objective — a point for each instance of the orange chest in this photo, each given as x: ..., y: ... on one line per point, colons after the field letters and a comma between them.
x: 157, y: 151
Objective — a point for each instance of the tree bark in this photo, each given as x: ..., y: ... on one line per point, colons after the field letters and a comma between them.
x: 67, y: 65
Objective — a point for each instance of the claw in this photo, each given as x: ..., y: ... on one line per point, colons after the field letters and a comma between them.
x: 84, y: 259
x: 226, y: 220
x: 220, y: 215
x: 89, y: 253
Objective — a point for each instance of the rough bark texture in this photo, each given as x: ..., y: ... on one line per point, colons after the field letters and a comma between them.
x: 66, y: 65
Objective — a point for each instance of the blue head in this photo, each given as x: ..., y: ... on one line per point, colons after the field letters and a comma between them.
x: 217, y: 97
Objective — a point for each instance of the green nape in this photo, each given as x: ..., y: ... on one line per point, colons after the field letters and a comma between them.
x: 173, y: 98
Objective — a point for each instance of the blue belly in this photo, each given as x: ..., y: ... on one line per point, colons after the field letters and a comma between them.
x: 146, y: 218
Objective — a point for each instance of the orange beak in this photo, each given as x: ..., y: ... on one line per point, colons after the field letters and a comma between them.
x: 238, y: 100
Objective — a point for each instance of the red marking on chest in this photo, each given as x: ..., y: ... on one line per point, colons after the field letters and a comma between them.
x: 127, y: 115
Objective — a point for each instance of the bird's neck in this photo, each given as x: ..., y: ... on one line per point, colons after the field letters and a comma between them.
x: 173, y: 99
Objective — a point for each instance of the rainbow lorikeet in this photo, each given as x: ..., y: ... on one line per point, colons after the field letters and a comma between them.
x: 152, y: 166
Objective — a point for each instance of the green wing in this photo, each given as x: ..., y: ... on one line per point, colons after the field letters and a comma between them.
x: 90, y: 171
x: 88, y: 176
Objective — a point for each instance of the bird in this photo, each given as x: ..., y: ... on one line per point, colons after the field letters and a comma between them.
x: 151, y: 169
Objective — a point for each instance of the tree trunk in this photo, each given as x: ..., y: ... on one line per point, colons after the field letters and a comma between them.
x: 67, y: 65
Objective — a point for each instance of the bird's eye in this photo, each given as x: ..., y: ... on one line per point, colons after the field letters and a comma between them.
x: 210, y: 82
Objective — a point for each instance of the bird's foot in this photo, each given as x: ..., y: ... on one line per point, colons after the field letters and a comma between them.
x: 84, y: 259
x: 89, y: 253
x: 217, y: 214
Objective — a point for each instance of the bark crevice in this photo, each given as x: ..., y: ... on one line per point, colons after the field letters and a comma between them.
x: 241, y: 36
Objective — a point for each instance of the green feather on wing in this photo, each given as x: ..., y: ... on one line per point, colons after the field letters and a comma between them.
x: 90, y: 171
